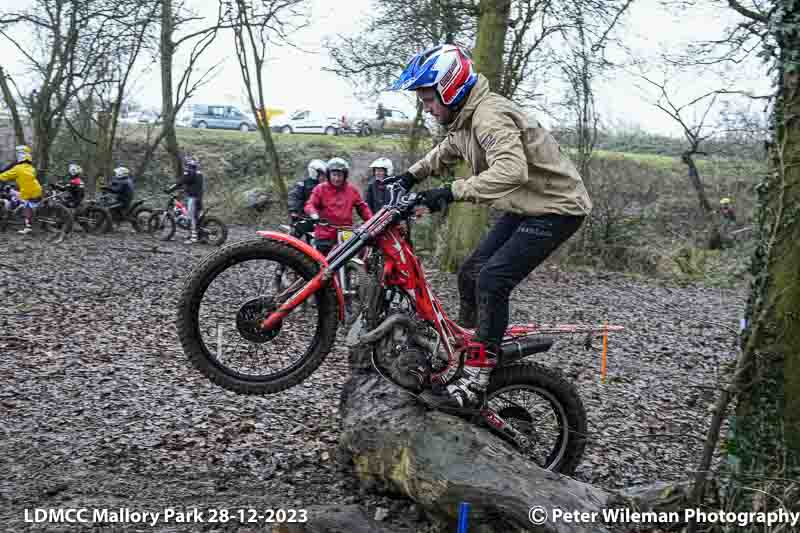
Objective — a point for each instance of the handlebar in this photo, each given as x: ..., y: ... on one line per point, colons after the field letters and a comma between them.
x: 321, y: 222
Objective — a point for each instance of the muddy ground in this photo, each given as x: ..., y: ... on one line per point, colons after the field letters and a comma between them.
x: 99, y: 408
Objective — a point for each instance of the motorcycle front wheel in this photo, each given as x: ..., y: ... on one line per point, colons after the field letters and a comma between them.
x: 213, y: 231
x: 161, y: 225
x: 93, y: 219
x: 222, y: 304
x: 140, y: 219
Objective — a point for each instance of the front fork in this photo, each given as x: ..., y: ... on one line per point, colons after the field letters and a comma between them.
x: 333, y: 272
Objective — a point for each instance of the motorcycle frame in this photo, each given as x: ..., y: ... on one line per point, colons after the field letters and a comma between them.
x: 175, y: 202
x: 402, y: 270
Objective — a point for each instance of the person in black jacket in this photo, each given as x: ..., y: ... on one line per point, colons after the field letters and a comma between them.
x: 301, y: 192
x: 192, y: 183
x: 121, y: 187
x: 377, y: 194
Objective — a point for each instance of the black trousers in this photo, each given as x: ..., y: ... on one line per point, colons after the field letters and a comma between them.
x: 512, y: 249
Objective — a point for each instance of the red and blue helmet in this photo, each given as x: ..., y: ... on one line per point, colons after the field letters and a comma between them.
x: 447, y: 68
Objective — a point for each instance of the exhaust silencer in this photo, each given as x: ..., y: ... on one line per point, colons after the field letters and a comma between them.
x: 510, y: 351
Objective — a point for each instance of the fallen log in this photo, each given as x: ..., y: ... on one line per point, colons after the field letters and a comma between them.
x: 396, y: 444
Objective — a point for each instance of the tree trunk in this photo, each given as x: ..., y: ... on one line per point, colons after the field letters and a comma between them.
x: 247, y: 43
x: 271, y: 153
x: 714, y: 237
x: 766, y: 428
x: 412, y: 149
x: 8, y: 96
x: 694, y: 178
x: 467, y: 222
x: 43, y: 132
x: 167, y: 50
x: 395, y: 444
x: 102, y: 158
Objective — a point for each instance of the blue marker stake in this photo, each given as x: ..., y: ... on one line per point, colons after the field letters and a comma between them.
x: 463, y: 515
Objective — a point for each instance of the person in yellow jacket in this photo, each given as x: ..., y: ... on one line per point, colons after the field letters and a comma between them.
x: 24, y: 173
x: 515, y: 166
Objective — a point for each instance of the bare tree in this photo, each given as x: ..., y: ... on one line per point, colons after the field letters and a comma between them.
x: 398, y: 30
x: 256, y: 26
x: 172, y: 18
x: 69, y: 41
x: 130, y: 36
x: 533, y: 24
x: 746, y: 39
x: 8, y: 96
x: 588, y: 30
x: 696, y: 131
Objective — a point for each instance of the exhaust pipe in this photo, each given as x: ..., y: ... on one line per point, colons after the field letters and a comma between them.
x: 510, y: 351
x: 386, y: 327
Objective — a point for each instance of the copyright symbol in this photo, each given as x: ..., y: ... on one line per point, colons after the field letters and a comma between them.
x: 537, y: 515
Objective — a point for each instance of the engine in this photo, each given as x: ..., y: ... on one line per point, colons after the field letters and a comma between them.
x: 407, y: 351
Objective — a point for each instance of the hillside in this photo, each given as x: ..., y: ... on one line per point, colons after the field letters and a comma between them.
x: 645, y: 218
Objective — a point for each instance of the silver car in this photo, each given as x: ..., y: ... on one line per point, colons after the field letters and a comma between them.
x: 223, y: 117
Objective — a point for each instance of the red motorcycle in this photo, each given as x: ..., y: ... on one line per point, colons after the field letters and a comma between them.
x: 163, y: 224
x: 251, y: 339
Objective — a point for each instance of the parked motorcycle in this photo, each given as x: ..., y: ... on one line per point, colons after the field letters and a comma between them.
x: 137, y: 213
x: 88, y: 214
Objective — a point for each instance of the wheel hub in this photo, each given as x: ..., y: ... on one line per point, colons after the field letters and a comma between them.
x: 250, y: 316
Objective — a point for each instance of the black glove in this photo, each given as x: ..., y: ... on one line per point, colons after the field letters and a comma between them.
x: 406, y: 180
x: 304, y: 225
x: 436, y: 199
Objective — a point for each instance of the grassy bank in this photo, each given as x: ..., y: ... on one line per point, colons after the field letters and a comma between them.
x: 645, y: 220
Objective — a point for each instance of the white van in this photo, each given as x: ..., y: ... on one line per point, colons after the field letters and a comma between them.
x: 307, y: 121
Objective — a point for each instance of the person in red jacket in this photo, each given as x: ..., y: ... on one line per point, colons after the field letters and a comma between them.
x: 333, y: 201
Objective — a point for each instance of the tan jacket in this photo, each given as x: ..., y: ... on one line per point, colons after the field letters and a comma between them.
x: 517, y: 166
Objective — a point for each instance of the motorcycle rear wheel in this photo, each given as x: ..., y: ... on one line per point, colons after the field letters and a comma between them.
x: 559, y: 411
x: 309, y: 333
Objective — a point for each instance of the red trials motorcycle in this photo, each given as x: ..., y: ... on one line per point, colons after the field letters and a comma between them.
x: 246, y: 337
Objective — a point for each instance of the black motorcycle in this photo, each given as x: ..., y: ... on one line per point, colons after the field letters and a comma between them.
x: 137, y: 213
x: 92, y: 217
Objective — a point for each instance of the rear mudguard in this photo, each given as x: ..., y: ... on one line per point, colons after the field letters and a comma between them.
x: 310, y: 251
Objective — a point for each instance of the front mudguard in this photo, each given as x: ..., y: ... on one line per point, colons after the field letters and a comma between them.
x: 312, y: 252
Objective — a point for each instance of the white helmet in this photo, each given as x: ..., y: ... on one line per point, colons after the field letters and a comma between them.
x: 74, y: 170
x: 385, y: 163
x: 315, y: 166
x: 121, y: 172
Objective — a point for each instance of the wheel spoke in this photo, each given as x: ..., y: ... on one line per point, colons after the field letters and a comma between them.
x: 221, y: 304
